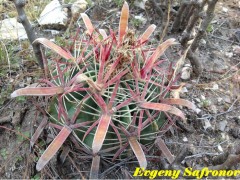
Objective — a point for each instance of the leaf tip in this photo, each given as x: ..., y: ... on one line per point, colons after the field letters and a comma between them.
x: 83, y: 14
x: 14, y: 94
x: 39, y: 166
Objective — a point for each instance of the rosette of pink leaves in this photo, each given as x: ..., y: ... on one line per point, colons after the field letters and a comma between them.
x: 117, y: 64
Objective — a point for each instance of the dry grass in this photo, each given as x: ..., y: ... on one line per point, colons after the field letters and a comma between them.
x: 33, y: 8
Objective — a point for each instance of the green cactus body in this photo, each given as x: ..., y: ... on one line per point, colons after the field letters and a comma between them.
x: 112, y: 94
x: 90, y: 111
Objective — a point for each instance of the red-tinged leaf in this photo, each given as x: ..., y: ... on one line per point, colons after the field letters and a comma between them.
x: 124, y: 103
x: 162, y: 107
x: 116, y: 78
x: 117, y: 133
x: 123, y: 24
x: 162, y: 146
x: 145, y: 36
x: 103, y: 33
x: 95, y: 167
x: 100, y: 101
x: 53, y: 147
x: 38, y: 131
x: 157, y: 53
x: 181, y: 102
x: 87, y: 23
x: 38, y: 91
x: 55, y: 48
x: 120, y: 150
x: 113, y: 96
x: 137, y: 149
x: 90, y: 129
x: 108, y: 51
x: 101, y: 132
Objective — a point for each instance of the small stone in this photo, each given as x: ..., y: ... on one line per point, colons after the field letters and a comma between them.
x: 224, y: 9
x: 78, y: 7
x: 185, y: 75
x: 140, y: 4
x: 186, y: 72
x: 203, y: 42
x: 220, y: 148
x: 215, y: 87
x: 185, y: 139
x: 197, y: 100
x: 229, y: 54
x: 53, y: 16
x: 203, y: 97
x: 12, y: 30
x: 227, y: 99
x: 222, y: 125
x: 219, y: 99
x: 55, y: 32
x: 223, y: 135
x: 198, y: 110
x: 207, y: 124
x: 236, y: 49
x: 184, y: 90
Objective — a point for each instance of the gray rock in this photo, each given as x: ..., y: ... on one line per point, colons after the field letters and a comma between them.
x: 140, y: 4
x: 12, y: 30
x: 186, y: 73
x: 53, y: 16
x: 222, y: 125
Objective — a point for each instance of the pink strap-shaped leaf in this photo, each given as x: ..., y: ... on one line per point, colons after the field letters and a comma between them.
x: 137, y: 149
x: 87, y: 23
x: 162, y: 107
x: 145, y: 36
x: 181, y: 102
x: 123, y: 24
x: 39, y: 130
x: 38, y: 91
x: 157, y: 53
x: 53, y: 147
x: 162, y: 146
x: 95, y: 167
x: 101, y: 132
x: 55, y: 48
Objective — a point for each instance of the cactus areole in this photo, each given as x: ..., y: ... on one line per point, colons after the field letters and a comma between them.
x: 111, y: 94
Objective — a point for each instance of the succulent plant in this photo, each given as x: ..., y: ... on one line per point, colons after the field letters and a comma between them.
x: 111, y: 95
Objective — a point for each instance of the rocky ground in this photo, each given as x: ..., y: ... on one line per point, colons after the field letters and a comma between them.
x: 210, y: 136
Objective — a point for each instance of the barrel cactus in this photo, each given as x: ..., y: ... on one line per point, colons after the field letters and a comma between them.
x: 112, y: 95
